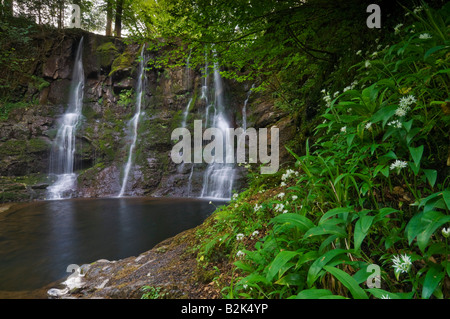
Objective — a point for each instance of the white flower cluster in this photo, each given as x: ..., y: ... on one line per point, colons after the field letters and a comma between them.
x: 368, y: 125
x: 280, y: 208
x: 418, y: 9
x: 289, y: 174
x: 404, y: 105
x: 351, y: 86
x: 425, y: 36
x: 281, y: 195
x: 326, y: 97
x: 344, y: 129
x: 398, y: 165
x: 255, y: 233
x: 446, y: 232
x: 397, y: 28
x: 294, y: 197
x: 257, y: 207
x: 395, y: 123
x: 235, y: 196
x: 401, y: 263
x: 240, y: 253
x: 240, y: 236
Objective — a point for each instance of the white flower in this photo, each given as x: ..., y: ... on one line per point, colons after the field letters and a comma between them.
x: 280, y: 195
x: 367, y: 64
x: 401, y: 264
x: 294, y: 197
x: 257, y: 207
x: 397, y: 28
x: 344, y: 129
x: 285, y: 211
x: 336, y: 94
x: 282, y: 184
x: 406, y: 101
x: 210, y: 202
x: 358, y: 52
x: 446, y: 232
x: 398, y: 165
x: 255, y: 233
x: 244, y: 286
x: 279, y: 207
x: 368, y: 125
x: 425, y: 36
x: 401, y: 111
x: 235, y: 196
x: 239, y: 236
x: 374, y: 54
x: 395, y: 123
x: 418, y: 9
x: 240, y: 253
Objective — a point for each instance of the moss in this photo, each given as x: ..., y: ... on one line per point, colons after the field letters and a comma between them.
x: 37, y: 145
x: 7, y: 107
x: 107, y: 52
x: 122, y: 62
x: 39, y: 83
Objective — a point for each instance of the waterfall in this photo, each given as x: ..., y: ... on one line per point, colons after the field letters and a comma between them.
x: 134, y: 121
x: 63, y: 149
x: 218, y: 177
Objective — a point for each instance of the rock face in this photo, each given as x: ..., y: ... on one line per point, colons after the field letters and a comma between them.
x: 102, y: 140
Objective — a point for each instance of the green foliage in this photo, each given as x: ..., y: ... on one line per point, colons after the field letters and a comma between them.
x: 151, y: 292
x: 372, y: 189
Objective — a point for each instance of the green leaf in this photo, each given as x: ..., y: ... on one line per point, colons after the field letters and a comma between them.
x: 414, y: 227
x: 446, y: 197
x: 300, y: 221
x: 326, y: 229
x: 384, y: 114
x: 292, y: 279
x: 380, y: 293
x: 416, y: 154
x: 434, y: 49
x: 318, y: 264
x: 313, y: 293
x: 435, y: 220
x: 279, y: 262
x: 348, y: 281
x: 432, y: 279
x: 333, y: 212
x: 361, y: 229
x: 431, y: 175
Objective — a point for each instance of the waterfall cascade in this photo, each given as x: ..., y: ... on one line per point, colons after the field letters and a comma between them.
x: 134, y: 122
x: 63, y: 149
x: 218, y: 178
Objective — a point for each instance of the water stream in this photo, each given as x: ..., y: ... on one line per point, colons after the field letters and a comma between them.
x: 218, y: 178
x: 134, y: 121
x: 63, y: 149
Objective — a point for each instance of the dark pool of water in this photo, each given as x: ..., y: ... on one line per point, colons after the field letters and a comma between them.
x: 40, y: 239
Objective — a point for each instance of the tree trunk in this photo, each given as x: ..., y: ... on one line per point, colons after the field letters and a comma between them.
x: 118, y: 22
x: 109, y: 17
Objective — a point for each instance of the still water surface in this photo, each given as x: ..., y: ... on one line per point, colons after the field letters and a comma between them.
x: 39, y: 240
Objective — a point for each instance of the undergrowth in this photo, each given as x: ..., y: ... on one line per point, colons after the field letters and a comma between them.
x: 364, y: 213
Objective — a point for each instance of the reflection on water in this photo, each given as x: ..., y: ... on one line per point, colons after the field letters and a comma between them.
x: 39, y: 240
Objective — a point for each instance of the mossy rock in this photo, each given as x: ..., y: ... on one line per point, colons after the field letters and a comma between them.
x: 107, y: 53
x: 21, y: 147
x: 123, y: 62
